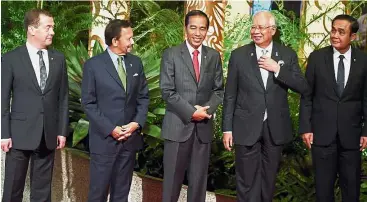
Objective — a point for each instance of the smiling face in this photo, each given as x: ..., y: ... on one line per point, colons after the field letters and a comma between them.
x: 123, y: 44
x: 42, y: 34
x: 263, y: 29
x: 196, y: 30
x: 341, y: 35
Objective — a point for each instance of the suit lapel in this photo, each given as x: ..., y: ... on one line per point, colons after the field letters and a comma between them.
x: 275, y: 55
x: 329, y: 63
x: 255, y: 65
x: 129, y: 73
x: 187, y: 60
x: 29, y: 67
x: 203, y: 64
x: 110, y: 67
x: 51, y: 69
x: 353, y: 72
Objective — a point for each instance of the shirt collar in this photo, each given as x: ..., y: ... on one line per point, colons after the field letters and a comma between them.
x: 113, y: 55
x: 191, y: 49
x: 33, y: 50
x: 268, y: 48
x: 347, y: 55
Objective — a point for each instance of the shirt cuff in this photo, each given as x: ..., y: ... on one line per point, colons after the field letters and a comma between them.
x: 277, y: 73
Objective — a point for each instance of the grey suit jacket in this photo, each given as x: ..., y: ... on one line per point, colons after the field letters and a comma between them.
x: 26, y: 111
x: 182, y: 92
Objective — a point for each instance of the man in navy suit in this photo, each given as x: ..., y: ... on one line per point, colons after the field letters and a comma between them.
x: 115, y: 99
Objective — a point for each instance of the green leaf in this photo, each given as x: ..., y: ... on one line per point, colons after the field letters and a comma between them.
x: 152, y: 130
x: 80, y: 131
x: 159, y: 111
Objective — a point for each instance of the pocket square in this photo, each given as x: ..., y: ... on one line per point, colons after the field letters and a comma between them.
x: 281, y: 63
x: 136, y: 74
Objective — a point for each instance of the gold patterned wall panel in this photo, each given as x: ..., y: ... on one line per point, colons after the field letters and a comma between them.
x: 104, y: 11
x: 216, y: 12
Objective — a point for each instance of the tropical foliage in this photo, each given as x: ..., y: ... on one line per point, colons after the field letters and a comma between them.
x: 158, y: 25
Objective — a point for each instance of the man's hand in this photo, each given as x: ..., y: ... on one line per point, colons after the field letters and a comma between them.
x: 228, y: 141
x: 6, y: 144
x: 268, y: 64
x: 60, y: 142
x: 127, y: 130
x: 363, y: 143
x: 117, y: 132
x: 201, y: 113
x: 308, y: 139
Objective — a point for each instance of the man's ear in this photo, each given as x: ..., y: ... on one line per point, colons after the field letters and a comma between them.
x: 353, y: 37
x: 31, y: 30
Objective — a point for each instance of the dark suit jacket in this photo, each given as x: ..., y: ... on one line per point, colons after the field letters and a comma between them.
x: 107, y: 105
x: 325, y: 114
x: 246, y: 98
x: 26, y: 111
x: 182, y: 92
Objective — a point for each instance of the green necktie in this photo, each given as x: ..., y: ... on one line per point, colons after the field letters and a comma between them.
x: 121, y: 71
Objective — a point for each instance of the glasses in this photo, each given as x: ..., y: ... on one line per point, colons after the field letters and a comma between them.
x: 260, y: 27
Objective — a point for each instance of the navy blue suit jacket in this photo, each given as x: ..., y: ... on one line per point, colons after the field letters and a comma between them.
x: 107, y: 105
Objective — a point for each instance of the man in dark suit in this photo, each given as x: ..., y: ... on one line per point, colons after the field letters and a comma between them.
x: 192, y: 86
x: 34, y: 109
x: 332, y: 111
x: 115, y: 99
x: 255, y: 112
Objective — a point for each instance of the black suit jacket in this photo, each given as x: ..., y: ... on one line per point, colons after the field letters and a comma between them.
x: 26, y: 111
x: 246, y: 98
x: 182, y: 92
x: 325, y: 114
x: 107, y: 105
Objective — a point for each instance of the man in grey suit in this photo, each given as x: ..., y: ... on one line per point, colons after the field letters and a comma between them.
x: 34, y: 109
x: 256, y: 110
x: 192, y: 86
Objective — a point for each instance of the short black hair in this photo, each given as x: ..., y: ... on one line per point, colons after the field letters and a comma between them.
x: 113, y: 30
x: 32, y: 17
x: 196, y: 13
x: 354, y: 26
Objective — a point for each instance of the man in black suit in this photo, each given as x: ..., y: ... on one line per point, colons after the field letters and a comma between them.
x: 332, y: 111
x: 192, y: 86
x: 255, y: 112
x: 115, y: 99
x: 34, y: 109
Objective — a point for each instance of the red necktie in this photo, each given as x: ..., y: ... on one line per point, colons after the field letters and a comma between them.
x: 195, y: 61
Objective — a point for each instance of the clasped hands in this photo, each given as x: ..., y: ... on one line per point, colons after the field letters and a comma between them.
x: 201, y: 113
x: 121, y: 133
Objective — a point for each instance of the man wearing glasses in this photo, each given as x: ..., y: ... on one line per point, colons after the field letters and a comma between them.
x: 256, y: 115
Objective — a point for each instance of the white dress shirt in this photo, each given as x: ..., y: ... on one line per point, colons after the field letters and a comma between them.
x: 191, y: 50
x: 347, y: 61
x: 32, y: 51
x: 264, y: 72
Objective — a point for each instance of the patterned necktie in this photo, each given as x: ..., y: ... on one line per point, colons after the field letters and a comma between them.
x: 195, y: 62
x: 121, y: 70
x: 264, y: 72
x: 43, y: 73
x: 340, y: 76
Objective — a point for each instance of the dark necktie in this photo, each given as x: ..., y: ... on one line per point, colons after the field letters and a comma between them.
x: 43, y: 73
x: 195, y: 61
x: 340, y: 76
